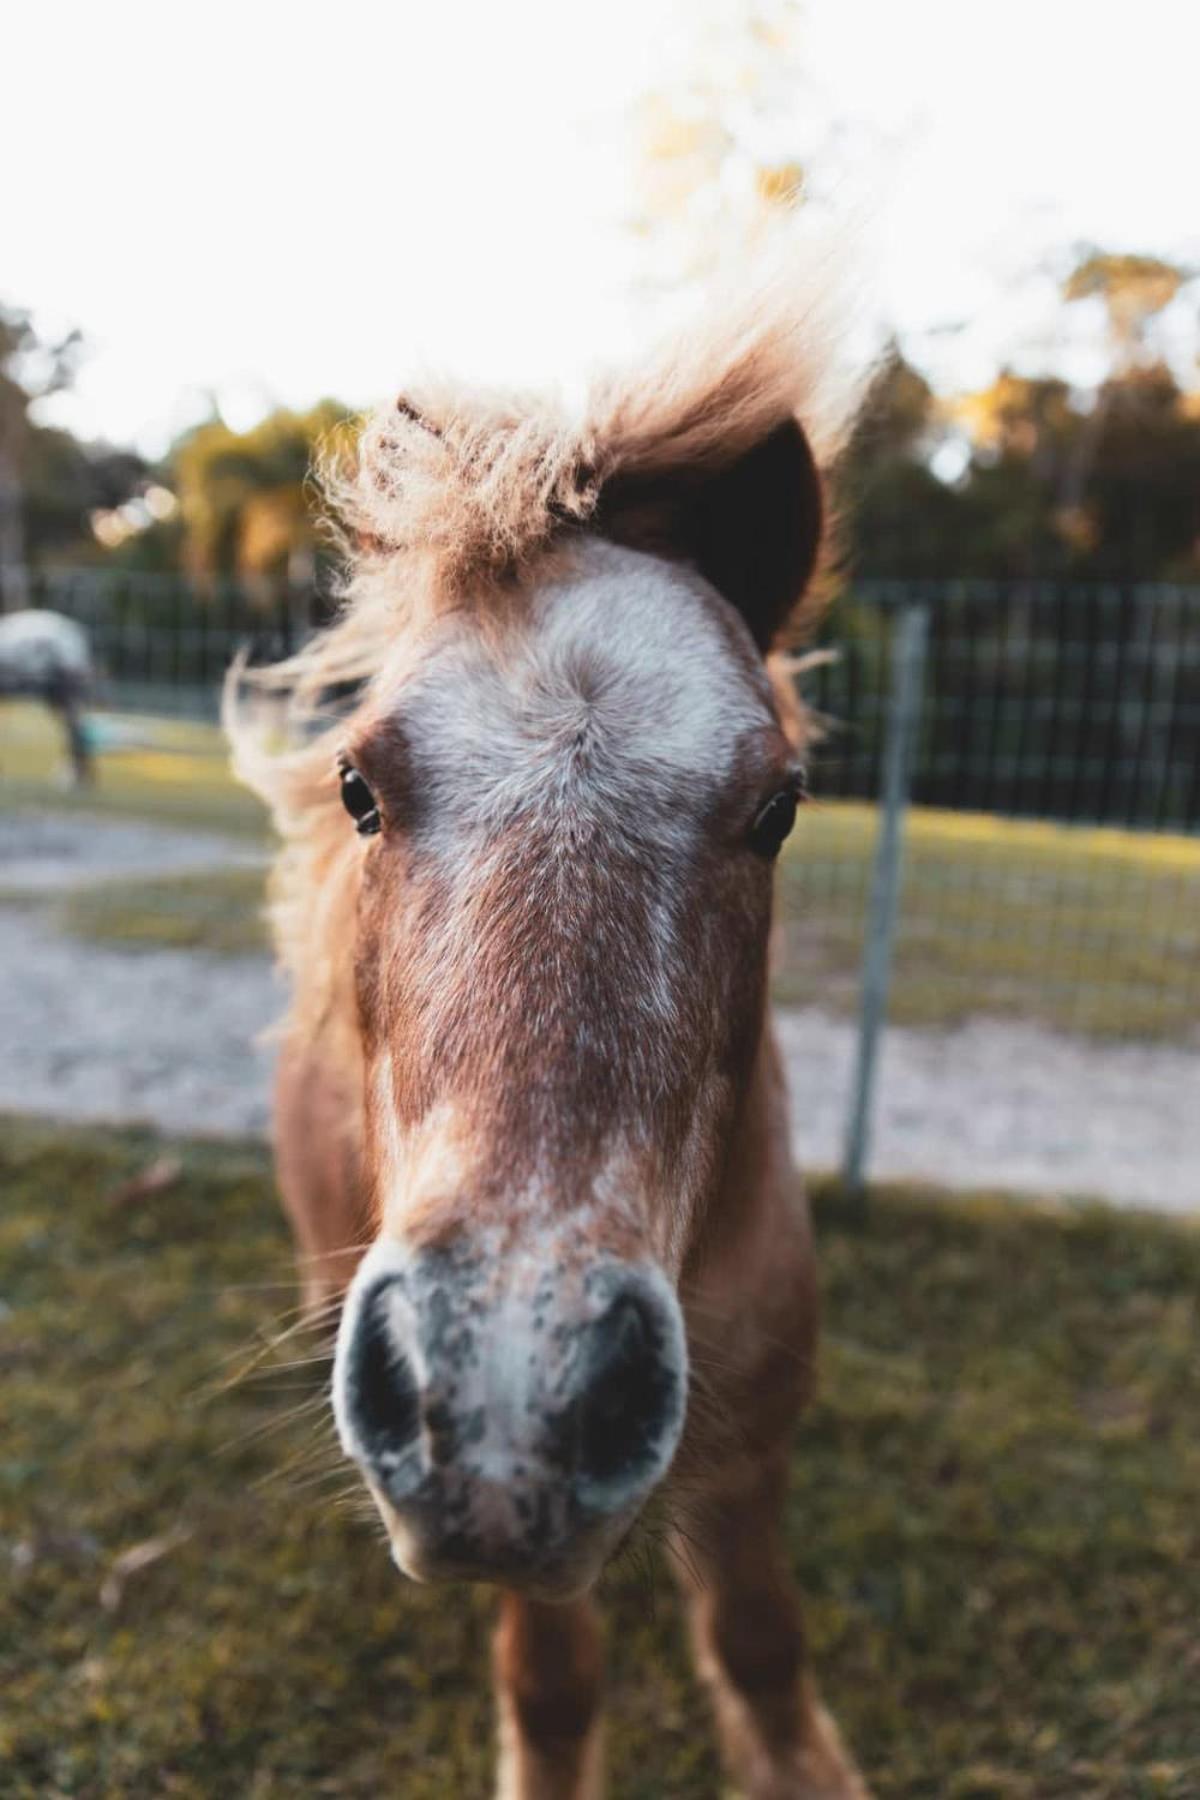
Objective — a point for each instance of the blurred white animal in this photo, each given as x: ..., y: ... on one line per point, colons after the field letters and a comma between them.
x: 45, y: 656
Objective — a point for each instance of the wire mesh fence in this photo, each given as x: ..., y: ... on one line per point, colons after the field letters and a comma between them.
x: 1048, y: 701
x: 1052, y: 849
x: 162, y: 644
x: 1051, y: 855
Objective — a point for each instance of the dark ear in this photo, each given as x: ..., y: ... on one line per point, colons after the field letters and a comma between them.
x: 752, y: 528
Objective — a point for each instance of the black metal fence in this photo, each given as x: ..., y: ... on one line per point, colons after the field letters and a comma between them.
x: 1051, y: 855
x: 163, y: 644
x: 1045, y: 701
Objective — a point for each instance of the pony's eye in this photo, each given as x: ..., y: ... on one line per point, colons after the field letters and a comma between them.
x: 774, y: 822
x: 359, y: 801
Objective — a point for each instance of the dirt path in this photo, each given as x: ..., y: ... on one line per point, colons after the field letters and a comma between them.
x: 995, y: 1104
x: 168, y: 1036
x: 165, y: 1036
x: 45, y: 853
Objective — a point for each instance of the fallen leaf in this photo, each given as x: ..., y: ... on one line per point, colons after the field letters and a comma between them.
x: 157, y: 1176
x: 132, y: 1561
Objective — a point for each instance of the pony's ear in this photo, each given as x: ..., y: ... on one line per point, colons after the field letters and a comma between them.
x: 751, y: 526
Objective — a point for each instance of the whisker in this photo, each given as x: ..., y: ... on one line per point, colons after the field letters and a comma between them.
x: 307, y: 1462
x: 254, y: 1353
x: 300, y: 1478
x: 270, y: 1426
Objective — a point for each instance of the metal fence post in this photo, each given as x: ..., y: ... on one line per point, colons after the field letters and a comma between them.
x: 904, y: 710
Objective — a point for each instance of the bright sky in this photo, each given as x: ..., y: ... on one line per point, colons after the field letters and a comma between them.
x: 268, y: 202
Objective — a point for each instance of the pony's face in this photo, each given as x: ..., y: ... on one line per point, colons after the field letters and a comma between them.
x: 570, y: 806
x: 561, y: 959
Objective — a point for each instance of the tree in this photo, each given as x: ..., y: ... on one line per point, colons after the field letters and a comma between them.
x: 50, y: 482
x: 1003, y: 515
x: 1142, y: 502
x: 1135, y: 290
x: 246, y: 504
x: 30, y: 368
x: 717, y: 149
x: 897, y: 518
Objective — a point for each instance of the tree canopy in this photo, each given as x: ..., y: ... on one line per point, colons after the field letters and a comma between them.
x: 51, y: 483
x: 1040, y: 478
x: 247, y: 502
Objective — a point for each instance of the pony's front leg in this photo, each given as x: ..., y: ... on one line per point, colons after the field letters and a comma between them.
x: 778, y: 1741
x: 549, y: 1675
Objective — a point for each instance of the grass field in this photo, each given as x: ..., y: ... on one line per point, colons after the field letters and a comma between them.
x: 1091, y: 931
x: 221, y: 911
x: 993, y: 1513
x: 179, y: 775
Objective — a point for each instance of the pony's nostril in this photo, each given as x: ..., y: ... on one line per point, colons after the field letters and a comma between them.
x: 630, y: 1394
x: 381, y: 1391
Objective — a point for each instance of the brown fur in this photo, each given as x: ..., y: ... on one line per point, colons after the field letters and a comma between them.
x: 457, y: 503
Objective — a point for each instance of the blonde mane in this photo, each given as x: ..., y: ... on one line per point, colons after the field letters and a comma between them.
x: 454, y: 495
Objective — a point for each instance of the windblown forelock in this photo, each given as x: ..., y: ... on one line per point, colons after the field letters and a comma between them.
x: 474, y: 484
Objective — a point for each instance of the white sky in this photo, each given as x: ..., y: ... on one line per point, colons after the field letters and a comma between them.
x: 273, y: 201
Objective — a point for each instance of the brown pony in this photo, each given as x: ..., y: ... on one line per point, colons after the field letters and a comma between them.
x: 524, y: 900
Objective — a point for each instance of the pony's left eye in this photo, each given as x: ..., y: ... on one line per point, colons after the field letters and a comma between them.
x: 359, y: 801
x: 774, y: 822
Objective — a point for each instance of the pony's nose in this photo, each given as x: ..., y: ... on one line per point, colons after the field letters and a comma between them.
x: 506, y: 1428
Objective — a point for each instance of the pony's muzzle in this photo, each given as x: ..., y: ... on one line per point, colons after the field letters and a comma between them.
x: 508, y: 1435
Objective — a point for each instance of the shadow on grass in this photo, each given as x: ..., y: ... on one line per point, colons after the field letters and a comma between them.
x: 993, y: 1511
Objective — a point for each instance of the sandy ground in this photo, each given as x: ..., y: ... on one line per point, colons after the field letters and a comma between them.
x: 165, y: 1036
x: 169, y: 1037
x: 1003, y: 1105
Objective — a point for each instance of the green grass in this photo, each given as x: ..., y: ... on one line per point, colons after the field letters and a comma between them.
x: 994, y: 1514
x: 1091, y: 931
x: 219, y: 910
x: 181, y: 778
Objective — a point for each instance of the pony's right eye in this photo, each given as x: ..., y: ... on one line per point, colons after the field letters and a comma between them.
x: 774, y: 823
x: 359, y: 801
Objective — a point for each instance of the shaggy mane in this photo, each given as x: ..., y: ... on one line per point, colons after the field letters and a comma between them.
x: 452, y: 497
